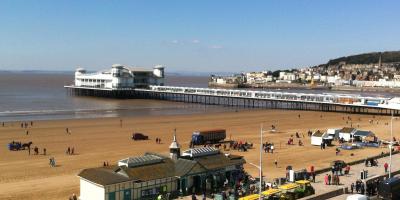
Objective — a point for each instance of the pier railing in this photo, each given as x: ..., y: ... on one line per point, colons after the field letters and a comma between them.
x: 332, y: 98
x: 330, y: 102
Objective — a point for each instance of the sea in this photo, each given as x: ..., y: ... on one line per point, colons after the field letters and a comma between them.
x: 28, y: 96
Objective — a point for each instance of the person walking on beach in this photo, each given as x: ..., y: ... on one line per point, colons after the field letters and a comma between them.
x: 276, y: 163
x: 68, y: 151
x: 27, y: 132
x: 44, y: 151
x: 386, y: 165
x: 67, y: 130
x: 272, y: 148
x: 72, y: 151
x: 120, y: 123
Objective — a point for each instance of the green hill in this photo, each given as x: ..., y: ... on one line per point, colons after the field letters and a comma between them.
x: 367, y: 58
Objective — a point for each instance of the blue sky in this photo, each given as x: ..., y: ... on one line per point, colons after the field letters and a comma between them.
x: 199, y: 36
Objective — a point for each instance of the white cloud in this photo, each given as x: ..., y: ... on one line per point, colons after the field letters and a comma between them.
x: 216, y: 47
x: 195, y: 41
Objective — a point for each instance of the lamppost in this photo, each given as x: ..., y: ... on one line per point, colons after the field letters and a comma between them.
x: 390, y: 146
x: 259, y: 167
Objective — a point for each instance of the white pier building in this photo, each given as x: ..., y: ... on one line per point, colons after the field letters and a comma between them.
x: 120, y: 76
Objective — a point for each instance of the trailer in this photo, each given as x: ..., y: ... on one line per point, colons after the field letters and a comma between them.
x: 208, y: 136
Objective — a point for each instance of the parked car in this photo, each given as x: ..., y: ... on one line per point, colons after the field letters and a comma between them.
x: 139, y: 136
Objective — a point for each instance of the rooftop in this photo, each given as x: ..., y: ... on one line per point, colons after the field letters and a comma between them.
x: 144, y: 170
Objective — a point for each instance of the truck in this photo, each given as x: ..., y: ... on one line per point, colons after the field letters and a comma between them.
x: 208, y: 136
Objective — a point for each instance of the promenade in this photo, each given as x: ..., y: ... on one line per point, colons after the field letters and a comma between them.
x: 346, y: 180
x: 354, y: 174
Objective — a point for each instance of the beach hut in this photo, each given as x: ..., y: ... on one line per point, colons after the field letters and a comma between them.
x: 363, y: 136
x: 317, y: 137
x: 347, y: 133
x: 333, y: 133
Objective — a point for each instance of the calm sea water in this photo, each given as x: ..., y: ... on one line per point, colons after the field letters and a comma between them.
x: 40, y: 96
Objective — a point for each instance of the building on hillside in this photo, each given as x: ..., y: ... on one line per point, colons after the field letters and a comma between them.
x: 120, y: 77
x: 203, y: 169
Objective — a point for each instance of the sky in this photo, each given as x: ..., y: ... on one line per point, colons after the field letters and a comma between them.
x: 192, y: 36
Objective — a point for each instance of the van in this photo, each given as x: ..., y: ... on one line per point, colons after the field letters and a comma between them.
x: 357, y: 197
x: 389, y: 188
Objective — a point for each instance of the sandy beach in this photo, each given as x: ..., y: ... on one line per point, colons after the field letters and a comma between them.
x: 26, y: 176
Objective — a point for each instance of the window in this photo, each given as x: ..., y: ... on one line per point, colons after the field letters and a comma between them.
x: 111, y: 196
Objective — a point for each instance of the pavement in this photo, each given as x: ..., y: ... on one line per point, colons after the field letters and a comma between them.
x: 346, y: 180
x: 355, y: 173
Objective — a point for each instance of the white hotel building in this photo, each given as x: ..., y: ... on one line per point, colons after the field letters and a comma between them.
x: 120, y: 76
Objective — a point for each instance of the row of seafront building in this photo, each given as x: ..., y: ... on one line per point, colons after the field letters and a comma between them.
x: 196, y: 170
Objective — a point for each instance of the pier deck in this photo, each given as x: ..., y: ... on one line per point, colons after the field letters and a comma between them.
x: 330, y: 102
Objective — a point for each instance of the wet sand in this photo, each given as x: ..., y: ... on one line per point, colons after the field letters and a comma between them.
x: 26, y: 176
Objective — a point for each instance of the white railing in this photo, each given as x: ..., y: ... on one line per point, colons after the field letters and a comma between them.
x: 340, y: 99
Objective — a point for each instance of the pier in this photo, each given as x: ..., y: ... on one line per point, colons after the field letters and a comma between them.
x: 327, y: 102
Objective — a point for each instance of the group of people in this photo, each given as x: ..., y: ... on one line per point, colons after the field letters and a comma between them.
x: 268, y: 147
x: 105, y: 163
x: 240, y: 145
x: 331, y: 179
x: 158, y: 140
x: 70, y: 151
x: 36, y: 150
x: 25, y: 124
x: 291, y: 140
x: 370, y: 188
x: 372, y: 162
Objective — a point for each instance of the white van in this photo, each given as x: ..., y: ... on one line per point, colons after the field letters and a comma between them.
x: 357, y: 197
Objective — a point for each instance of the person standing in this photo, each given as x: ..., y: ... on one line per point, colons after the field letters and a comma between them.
x: 44, y: 151
x: 329, y: 179
x: 313, y: 176
x: 386, y: 165
x: 352, y: 187
x: 362, y: 188
x: 276, y: 163
x: 326, y: 179
x: 272, y: 148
